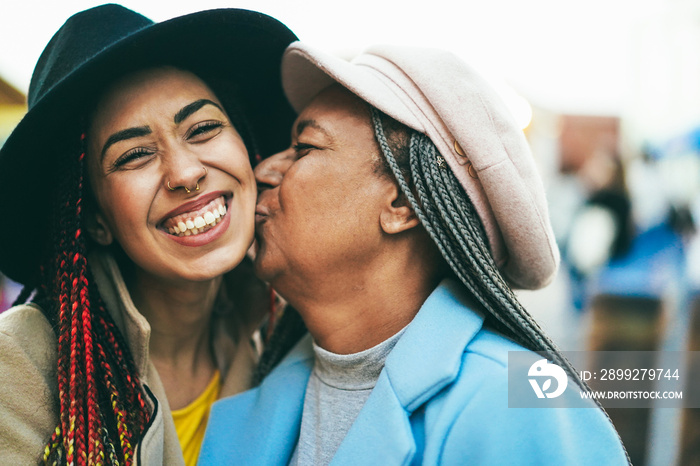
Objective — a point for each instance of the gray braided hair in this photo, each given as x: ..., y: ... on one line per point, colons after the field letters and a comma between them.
x: 449, y: 217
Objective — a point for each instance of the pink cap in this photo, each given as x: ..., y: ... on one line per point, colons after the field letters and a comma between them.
x: 437, y: 94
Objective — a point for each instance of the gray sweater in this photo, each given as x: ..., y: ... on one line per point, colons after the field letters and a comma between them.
x: 338, y: 388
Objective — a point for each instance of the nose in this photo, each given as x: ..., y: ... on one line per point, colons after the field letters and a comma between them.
x: 184, y: 172
x: 270, y: 172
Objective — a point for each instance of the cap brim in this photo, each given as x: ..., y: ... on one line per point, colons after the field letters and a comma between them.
x: 306, y: 72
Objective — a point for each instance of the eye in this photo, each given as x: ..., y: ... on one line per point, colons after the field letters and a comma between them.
x: 203, y: 131
x: 133, y: 157
x: 301, y: 149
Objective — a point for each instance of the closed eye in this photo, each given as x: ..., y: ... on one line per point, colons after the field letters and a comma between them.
x: 136, y: 155
x: 301, y: 149
x: 203, y: 131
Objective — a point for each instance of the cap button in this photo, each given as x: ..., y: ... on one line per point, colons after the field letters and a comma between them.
x: 459, y: 149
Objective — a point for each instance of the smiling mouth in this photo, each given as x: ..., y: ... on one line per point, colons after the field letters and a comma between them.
x: 198, y: 221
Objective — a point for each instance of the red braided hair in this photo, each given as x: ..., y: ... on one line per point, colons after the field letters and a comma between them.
x: 102, y: 410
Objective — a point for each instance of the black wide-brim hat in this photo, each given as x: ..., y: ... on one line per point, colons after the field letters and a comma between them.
x: 87, y: 53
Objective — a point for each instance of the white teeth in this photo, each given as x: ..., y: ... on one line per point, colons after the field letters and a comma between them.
x: 197, y: 225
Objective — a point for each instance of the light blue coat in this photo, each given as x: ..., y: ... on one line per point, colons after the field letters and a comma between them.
x: 442, y: 398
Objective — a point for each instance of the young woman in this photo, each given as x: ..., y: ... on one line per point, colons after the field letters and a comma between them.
x: 132, y: 172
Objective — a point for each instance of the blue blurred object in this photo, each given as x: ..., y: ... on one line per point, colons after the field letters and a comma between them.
x: 678, y: 145
x: 655, y: 259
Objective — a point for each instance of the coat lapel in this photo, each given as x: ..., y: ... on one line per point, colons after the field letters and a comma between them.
x: 426, y: 359
x: 261, y: 426
x: 381, y: 433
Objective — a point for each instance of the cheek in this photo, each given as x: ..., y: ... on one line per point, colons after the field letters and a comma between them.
x: 246, y: 178
x: 247, y: 192
x: 231, y: 157
x: 330, y: 206
x: 124, y: 204
x: 309, y: 197
x: 230, y: 153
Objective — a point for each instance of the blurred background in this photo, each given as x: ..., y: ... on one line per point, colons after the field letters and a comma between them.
x: 608, y: 94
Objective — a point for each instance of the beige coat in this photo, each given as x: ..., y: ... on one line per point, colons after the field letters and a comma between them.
x: 28, y: 359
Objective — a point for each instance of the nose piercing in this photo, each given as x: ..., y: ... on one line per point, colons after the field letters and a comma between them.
x: 188, y: 190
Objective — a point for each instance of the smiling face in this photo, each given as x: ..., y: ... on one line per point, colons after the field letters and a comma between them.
x: 171, y: 177
x: 320, y: 205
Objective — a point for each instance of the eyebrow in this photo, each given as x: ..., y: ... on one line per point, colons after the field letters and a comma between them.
x: 303, y: 124
x: 139, y: 131
x: 124, y: 134
x: 189, y: 109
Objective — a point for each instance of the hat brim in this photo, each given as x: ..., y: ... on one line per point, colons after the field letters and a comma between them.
x: 242, y: 46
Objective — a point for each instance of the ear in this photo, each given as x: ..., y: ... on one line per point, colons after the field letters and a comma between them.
x: 397, y: 215
x: 98, y: 229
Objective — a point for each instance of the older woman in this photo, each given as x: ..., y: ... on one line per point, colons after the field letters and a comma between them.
x: 422, y: 211
x: 132, y: 175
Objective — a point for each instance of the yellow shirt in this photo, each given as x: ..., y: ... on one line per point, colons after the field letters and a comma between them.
x: 191, y: 421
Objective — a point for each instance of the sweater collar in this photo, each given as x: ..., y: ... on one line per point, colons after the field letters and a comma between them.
x: 433, y: 342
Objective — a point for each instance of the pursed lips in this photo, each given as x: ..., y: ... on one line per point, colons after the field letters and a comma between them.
x: 262, y: 213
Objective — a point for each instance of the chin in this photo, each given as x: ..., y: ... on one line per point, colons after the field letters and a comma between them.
x: 202, y: 275
x: 262, y: 266
x: 206, y: 269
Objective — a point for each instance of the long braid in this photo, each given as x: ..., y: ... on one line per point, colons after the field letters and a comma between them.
x: 102, y: 409
x: 451, y: 220
x: 95, y: 447
x: 461, y: 217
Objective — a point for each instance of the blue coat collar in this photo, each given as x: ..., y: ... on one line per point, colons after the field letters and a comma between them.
x: 263, y: 425
x: 432, y: 347
x: 425, y: 360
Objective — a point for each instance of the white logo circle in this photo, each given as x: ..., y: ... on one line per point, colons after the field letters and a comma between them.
x: 544, y: 368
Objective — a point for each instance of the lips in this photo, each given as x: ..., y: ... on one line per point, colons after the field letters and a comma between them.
x: 261, y: 214
x: 199, y: 219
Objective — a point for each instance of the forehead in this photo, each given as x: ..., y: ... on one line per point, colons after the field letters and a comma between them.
x: 335, y: 109
x: 150, y: 91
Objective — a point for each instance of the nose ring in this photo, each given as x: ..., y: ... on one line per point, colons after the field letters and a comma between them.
x: 188, y: 190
